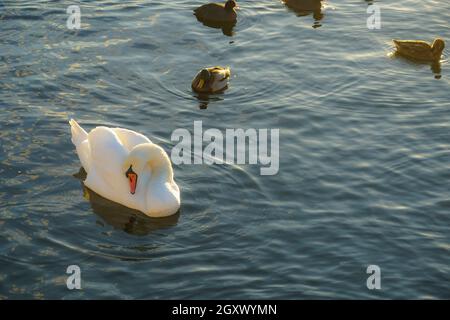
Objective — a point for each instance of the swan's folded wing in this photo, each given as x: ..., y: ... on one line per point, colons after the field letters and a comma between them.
x: 107, y: 154
x: 84, y: 153
x: 130, y: 139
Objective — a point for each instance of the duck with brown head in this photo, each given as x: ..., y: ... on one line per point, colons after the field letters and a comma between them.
x: 438, y: 47
x: 211, y: 80
x: 420, y: 50
x: 218, y: 12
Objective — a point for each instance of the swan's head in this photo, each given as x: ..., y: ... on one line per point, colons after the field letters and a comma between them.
x: 438, y: 46
x: 146, y: 156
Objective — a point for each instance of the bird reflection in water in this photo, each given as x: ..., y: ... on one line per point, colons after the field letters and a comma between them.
x: 305, y: 8
x: 120, y: 217
x: 226, y: 27
x: 435, y: 66
x: 205, y: 98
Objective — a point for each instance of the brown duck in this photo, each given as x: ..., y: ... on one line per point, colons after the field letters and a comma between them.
x: 420, y: 50
x: 217, y: 12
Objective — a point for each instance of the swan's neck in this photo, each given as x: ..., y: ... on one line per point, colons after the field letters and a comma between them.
x: 161, y: 171
x: 159, y: 163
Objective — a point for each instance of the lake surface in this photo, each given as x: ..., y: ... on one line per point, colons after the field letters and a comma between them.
x: 364, y: 152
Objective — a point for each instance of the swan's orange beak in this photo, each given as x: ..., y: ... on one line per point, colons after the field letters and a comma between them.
x: 132, y: 178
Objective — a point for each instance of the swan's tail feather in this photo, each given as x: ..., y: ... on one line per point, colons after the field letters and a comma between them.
x: 78, y: 133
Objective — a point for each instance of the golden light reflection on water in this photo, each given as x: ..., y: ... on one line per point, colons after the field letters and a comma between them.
x: 363, y: 134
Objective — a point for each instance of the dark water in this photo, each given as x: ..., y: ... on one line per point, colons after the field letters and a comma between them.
x: 364, y: 152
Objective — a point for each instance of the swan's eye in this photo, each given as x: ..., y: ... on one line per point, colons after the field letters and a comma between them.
x: 129, y: 171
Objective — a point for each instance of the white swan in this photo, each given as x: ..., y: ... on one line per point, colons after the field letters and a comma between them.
x: 126, y: 167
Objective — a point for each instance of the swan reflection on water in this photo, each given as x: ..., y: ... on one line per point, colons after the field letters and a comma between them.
x: 120, y: 217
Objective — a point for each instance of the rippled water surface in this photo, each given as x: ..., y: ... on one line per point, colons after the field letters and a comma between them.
x: 364, y: 151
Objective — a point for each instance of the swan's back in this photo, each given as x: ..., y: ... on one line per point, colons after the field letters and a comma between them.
x: 129, y: 138
x: 107, y: 150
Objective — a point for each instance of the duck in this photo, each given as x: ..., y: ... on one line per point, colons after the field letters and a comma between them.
x: 420, y: 50
x: 218, y: 12
x: 125, y: 167
x: 211, y: 80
